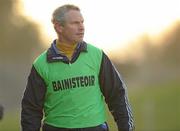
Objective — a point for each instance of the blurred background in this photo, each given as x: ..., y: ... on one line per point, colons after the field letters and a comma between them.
x: 142, y: 39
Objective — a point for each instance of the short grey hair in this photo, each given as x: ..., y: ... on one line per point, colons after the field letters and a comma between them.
x: 59, y: 13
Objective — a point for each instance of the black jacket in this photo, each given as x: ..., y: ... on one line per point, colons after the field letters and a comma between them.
x: 111, y: 85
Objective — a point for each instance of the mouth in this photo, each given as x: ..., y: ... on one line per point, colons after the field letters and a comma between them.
x: 80, y: 34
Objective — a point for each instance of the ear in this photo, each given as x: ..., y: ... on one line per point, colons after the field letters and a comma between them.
x: 58, y: 27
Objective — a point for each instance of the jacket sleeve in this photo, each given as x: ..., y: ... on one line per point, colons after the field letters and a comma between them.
x: 114, y: 91
x: 32, y: 102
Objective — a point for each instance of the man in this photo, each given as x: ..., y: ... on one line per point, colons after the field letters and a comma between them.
x: 68, y: 81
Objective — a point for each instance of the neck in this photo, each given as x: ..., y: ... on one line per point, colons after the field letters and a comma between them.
x: 66, y: 48
x: 68, y: 44
x: 65, y: 41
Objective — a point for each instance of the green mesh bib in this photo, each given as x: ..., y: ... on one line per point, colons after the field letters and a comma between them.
x: 73, y: 98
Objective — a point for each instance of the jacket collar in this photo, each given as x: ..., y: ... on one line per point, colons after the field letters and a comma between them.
x: 53, y: 55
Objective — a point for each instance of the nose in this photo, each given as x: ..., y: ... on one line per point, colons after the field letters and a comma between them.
x: 81, y: 26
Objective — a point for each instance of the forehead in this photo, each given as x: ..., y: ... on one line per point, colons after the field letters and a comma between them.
x: 73, y: 15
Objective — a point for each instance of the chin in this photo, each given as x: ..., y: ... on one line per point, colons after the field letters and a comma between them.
x: 80, y: 40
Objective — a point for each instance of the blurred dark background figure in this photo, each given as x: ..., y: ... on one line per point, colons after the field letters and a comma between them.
x: 1, y: 112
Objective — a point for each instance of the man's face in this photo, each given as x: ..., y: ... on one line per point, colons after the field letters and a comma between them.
x: 73, y: 28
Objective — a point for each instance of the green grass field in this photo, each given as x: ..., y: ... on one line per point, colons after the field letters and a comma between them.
x: 155, y: 108
x: 10, y: 121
